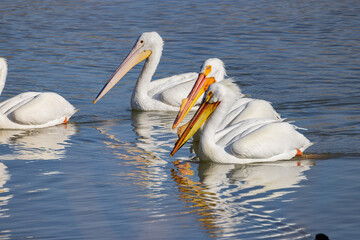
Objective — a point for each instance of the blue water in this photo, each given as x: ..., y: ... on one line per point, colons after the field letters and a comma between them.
x: 107, y: 174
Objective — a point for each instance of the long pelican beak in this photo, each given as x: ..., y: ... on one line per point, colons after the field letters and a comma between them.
x: 135, y: 56
x: 201, y: 85
x: 201, y: 115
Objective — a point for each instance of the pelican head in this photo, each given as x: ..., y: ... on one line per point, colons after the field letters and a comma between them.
x: 212, y: 70
x: 148, y: 45
x: 217, y: 69
x: 214, y: 96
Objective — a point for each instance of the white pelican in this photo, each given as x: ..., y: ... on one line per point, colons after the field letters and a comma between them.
x: 32, y: 109
x: 164, y: 94
x: 252, y: 140
x: 213, y: 70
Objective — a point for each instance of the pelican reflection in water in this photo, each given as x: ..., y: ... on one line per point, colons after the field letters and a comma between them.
x: 232, y: 200
x: 37, y: 144
x: 154, y: 131
x: 145, y: 154
x: 4, y: 191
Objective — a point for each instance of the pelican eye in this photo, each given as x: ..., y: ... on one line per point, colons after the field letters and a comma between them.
x: 209, y: 95
x: 142, y: 41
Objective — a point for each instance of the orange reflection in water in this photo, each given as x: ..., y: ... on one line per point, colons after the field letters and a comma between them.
x: 202, y: 201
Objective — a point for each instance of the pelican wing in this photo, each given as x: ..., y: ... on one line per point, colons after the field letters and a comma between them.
x: 43, y: 108
x: 256, y: 108
x: 14, y: 103
x: 248, y: 108
x: 269, y: 141
x: 34, y: 109
x: 233, y: 132
x: 173, y: 89
x: 235, y: 111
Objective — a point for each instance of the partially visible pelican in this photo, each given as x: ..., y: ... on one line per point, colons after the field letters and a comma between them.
x: 32, y: 109
x: 252, y: 140
x: 164, y: 94
x: 213, y: 70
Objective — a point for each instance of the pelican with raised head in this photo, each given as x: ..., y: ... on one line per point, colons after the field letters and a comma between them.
x: 247, y: 141
x: 213, y: 70
x: 164, y: 94
x: 32, y: 109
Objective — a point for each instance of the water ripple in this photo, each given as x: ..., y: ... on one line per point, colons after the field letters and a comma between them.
x: 232, y: 201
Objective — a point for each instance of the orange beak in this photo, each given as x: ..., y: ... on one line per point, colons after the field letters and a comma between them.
x: 201, y: 115
x: 135, y: 56
x: 201, y: 85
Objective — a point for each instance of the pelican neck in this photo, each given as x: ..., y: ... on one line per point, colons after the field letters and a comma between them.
x: 3, y: 75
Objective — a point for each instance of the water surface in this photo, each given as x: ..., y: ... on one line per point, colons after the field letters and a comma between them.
x: 107, y: 174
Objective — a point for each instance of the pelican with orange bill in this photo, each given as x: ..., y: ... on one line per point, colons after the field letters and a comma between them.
x: 213, y: 70
x: 247, y: 141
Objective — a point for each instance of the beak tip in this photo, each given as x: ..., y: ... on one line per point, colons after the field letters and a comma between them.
x: 94, y: 101
x: 176, y: 123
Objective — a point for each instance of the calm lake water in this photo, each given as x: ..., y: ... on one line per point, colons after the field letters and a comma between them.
x: 107, y: 174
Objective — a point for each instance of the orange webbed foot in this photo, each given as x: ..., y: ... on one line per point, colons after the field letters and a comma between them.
x: 299, y: 152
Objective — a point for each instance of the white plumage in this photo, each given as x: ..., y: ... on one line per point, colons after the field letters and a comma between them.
x: 164, y: 94
x: 213, y: 70
x: 32, y: 109
x: 247, y: 141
